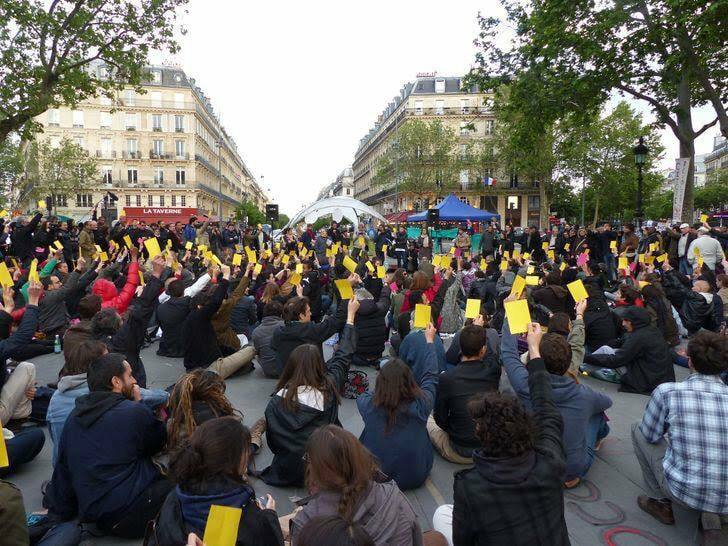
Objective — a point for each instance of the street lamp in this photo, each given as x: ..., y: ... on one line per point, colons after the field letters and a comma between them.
x: 640, y: 156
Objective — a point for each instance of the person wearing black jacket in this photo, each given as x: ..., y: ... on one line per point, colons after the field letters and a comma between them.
x: 644, y: 353
x: 306, y: 398
x: 171, y: 316
x: 514, y: 493
x: 127, y: 337
x: 698, y: 307
x: 311, y: 283
x: 22, y: 239
x: 451, y: 428
x: 371, y: 328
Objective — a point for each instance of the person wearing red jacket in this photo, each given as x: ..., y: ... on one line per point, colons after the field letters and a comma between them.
x: 110, y: 296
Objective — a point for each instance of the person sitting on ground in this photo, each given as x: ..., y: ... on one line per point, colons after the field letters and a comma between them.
x: 171, y: 315
x: 202, y: 349
x: 395, y: 418
x: 227, y: 337
x: 514, y: 493
x: 112, y: 297
x: 451, y: 428
x: 573, y: 332
x: 644, y: 359
x: 722, y: 281
x: 551, y: 294
x: 127, y: 336
x: 601, y: 326
x: 104, y: 471
x: 306, y: 397
x: 371, y: 328
x: 346, y: 482
x: 53, y: 316
x: 209, y: 469
x: 660, y: 310
x: 698, y: 307
x: 263, y: 337
x: 582, y: 409
x: 77, y: 333
x: 680, y: 443
x: 454, y: 354
x: 332, y: 531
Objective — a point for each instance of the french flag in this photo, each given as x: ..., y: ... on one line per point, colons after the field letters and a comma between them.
x: 488, y: 181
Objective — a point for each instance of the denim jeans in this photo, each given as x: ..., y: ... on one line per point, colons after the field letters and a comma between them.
x: 154, y: 397
x: 595, y: 431
x: 685, y: 267
x: 23, y: 448
x: 401, y: 258
x: 610, y: 263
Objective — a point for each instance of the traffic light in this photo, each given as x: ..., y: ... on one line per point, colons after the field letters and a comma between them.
x: 271, y: 213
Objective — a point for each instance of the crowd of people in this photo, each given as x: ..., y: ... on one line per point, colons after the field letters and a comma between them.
x: 138, y: 462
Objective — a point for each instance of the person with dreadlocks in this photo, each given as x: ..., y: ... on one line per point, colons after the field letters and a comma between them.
x: 395, y: 417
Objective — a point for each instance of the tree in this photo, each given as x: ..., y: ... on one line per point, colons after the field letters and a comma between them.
x: 282, y: 221
x: 11, y: 171
x: 714, y: 195
x: 55, y: 173
x: 567, y: 57
x: 47, y: 52
x: 421, y: 159
x: 248, y: 210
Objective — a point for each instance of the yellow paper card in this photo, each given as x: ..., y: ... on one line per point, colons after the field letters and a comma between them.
x: 237, y: 259
x: 58, y: 245
x: 104, y: 257
x: 295, y: 279
x: 436, y: 260
x: 703, y: 218
x: 661, y: 258
x: 519, y: 317
x: 5, y: 278
x: 613, y: 245
x: 641, y: 258
x: 222, y: 526
x: 649, y: 259
x: 531, y: 280
x: 530, y: 269
x: 519, y: 283
x: 252, y: 256
x: 41, y: 204
x: 370, y: 266
x: 285, y: 259
x: 345, y: 290
x: 141, y: 278
x: 215, y: 259
x: 3, y: 213
x: 349, y: 264
x: 299, y: 268
x: 423, y: 315
x: 381, y: 271
x: 567, y: 246
x: 506, y: 254
x: 483, y: 264
x: 578, y: 291
x: 643, y: 284
x: 201, y: 248
x: 384, y: 249
x: 653, y: 247
x: 551, y: 255
x: 361, y: 242
x: 127, y: 242
x: 98, y: 249
x: 526, y: 255
x: 562, y: 266
x: 4, y: 461
x: 33, y: 275
x: 623, y: 263
x: 328, y: 253
x: 257, y: 269
x: 504, y: 265
x: 452, y: 251
x: 472, y: 308
x: 545, y: 245
x: 152, y: 246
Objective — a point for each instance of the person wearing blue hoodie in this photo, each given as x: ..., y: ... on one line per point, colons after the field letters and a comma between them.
x: 104, y: 472
x: 581, y: 408
x: 209, y: 469
x: 395, y: 417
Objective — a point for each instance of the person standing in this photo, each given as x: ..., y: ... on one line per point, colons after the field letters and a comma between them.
x: 87, y: 241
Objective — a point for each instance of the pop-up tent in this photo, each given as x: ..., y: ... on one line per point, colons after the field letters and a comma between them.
x: 453, y: 210
x: 338, y: 208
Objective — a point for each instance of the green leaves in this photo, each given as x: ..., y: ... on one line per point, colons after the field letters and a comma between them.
x: 249, y: 210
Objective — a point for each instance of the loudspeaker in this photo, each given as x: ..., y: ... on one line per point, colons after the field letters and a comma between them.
x: 271, y: 213
x: 433, y: 215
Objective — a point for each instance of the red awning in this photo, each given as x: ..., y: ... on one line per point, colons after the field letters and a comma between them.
x: 397, y: 217
x: 160, y: 214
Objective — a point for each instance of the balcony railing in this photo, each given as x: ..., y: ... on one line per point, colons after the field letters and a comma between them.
x: 149, y: 103
x: 170, y: 156
x: 106, y: 154
x: 131, y: 155
x: 447, y: 111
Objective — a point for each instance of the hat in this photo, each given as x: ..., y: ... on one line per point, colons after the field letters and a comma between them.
x: 703, y: 229
x: 683, y: 226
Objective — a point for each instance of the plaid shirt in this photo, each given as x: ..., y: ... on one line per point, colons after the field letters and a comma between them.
x: 694, y: 415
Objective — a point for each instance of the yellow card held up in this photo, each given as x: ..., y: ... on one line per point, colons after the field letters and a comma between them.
x: 345, y: 290
x: 519, y: 283
x: 370, y: 266
x: 33, y: 274
x: 381, y: 271
x: 423, y: 315
x: 237, y: 259
x: 519, y: 317
x: 504, y: 265
x: 285, y: 259
x: 623, y: 263
x: 5, y: 278
x: 526, y: 255
x: 562, y: 266
x: 41, y: 204
x: 483, y: 264
x: 578, y: 291
x: 531, y: 280
x: 104, y: 257
x: 252, y: 256
x: 58, y: 245
x: 436, y: 260
x: 551, y: 255
x: 4, y: 461
x: 222, y: 526
x: 299, y: 268
x: 127, y: 242
x: 152, y: 246
x: 295, y: 279
x: 361, y: 242
x: 98, y: 249
x: 703, y: 218
x: 384, y: 249
x: 257, y: 269
x: 215, y: 259
x: 472, y: 308
x: 202, y: 248
x: 613, y: 245
x: 141, y: 278
x: 349, y: 264
x: 567, y: 246
x: 545, y: 245
x: 649, y: 259
x: 3, y: 213
x: 530, y: 269
x: 661, y: 258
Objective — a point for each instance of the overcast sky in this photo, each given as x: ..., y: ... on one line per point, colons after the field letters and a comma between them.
x: 297, y: 84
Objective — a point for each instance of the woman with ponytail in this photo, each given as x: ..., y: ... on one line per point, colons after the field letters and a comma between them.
x: 344, y: 481
x: 209, y: 468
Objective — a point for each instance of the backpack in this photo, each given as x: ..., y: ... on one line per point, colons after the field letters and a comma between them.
x: 357, y: 383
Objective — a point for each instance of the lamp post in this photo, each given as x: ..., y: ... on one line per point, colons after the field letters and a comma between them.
x: 218, y: 143
x: 640, y: 156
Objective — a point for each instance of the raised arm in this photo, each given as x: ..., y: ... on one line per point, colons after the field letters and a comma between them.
x: 337, y: 367
x: 516, y: 372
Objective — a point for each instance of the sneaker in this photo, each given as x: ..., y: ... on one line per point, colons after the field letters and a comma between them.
x: 257, y: 430
x: 660, y: 509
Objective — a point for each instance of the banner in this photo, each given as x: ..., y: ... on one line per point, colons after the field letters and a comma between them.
x: 681, y: 178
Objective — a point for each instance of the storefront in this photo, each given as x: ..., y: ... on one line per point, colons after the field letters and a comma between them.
x: 160, y: 214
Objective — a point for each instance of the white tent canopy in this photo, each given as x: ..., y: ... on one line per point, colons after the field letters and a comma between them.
x: 338, y: 208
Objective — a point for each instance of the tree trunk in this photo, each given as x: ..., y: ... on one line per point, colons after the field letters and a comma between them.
x: 686, y: 137
x: 596, y: 210
x: 687, y: 149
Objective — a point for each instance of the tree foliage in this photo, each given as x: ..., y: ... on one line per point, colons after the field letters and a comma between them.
x: 248, y: 210
x: 46, y: 48
x: 421, y: 158
x: 11, y: 170
x: 60, y: 171
x: 567, y: 57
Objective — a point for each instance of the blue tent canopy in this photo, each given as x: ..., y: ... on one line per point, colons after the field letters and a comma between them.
x: 453, y: 210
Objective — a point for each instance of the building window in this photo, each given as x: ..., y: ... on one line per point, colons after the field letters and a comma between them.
x: 128, y: 200
x: 174, y: 200
x: 161, y: 200
x: 489, y: 125
x: 54, y: 117
x: 182, y: 200
x: 439, y: 107
x: 131, y: 122
x: 132, y: 176
x: 58, y: 200
x: 158, y: 148
x: 157, y: 99
x: 105, y: 147
x: 156, y: 122
x: 464, y: 179
x: 132, y: 147
x: 419, y: 107
x: 157, y: 76
x: 138, y: 200
x: 534, y: 202
x: 105, y: 121
x: 150, y: 200
x: 440, y: 85
x: 464, y: 128
x: 84, y: 200
x: 179, y: 148
x: 77, y: 118
x: 79, y: 141
x: 179, y: 124
x: 464, y: 106
x: 129, y: 97
x: 159, y: 175
x: 106, y: 175
x: 514, y: 180
x: 180, y: 177
x: 464, y: 199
